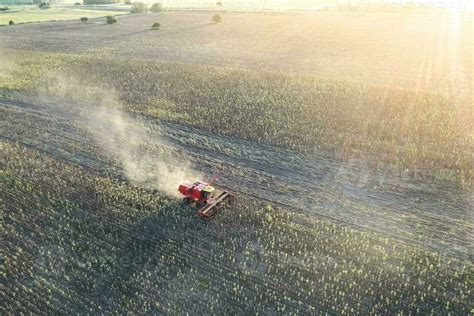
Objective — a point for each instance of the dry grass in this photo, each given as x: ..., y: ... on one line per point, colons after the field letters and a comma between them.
x: 415, y: 51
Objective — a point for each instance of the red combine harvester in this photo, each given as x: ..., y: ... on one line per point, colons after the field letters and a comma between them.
x: 205, y: 197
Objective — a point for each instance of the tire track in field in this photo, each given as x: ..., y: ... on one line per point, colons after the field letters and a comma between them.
x: 399, y: 208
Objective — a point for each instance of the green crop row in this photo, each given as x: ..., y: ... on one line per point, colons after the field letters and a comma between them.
x: 421, y: 133
x: 76, y: 240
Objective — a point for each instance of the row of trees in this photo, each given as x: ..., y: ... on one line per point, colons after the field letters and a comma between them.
x: 140, y: 7
x: 218, y: 3
x: 130, y: 2
x: 101, y: 1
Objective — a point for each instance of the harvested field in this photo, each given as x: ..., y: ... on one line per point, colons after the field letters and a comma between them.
x: 371, y: 49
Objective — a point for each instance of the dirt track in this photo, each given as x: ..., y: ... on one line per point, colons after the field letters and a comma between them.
x: 418, y: 211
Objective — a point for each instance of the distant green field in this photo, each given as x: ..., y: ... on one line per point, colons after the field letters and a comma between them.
x: 33, y: 14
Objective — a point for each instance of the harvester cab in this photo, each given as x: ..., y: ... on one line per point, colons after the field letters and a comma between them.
x: 198, y: 191
x: 204, y: 196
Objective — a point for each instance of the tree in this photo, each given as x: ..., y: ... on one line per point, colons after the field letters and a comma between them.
x: 11, y: 23
x: 110, y: 19
x: 156, y: 7
x: 217, y: 18
x: 156, y: 26
x: 44, y: 5
x: 139, y: 7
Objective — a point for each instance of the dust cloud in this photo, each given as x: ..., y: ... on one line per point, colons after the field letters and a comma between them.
x: 147, y: 159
